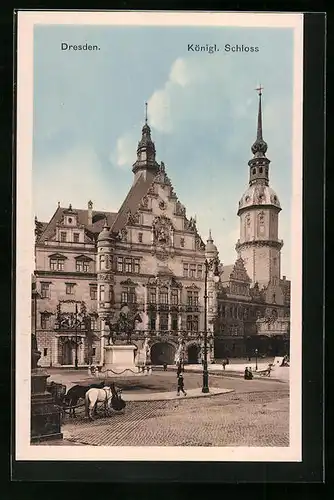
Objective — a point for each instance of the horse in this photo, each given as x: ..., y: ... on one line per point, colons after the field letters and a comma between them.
x: 94, y: 396
x: 78, y: 392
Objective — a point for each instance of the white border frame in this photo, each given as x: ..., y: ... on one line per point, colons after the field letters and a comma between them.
x: 25, y: 238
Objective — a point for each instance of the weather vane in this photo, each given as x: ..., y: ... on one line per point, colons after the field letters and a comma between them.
x: 259, y: 89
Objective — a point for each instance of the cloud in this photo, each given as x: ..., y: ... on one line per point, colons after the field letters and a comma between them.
x: 74, y: 177
x: 125, y: 150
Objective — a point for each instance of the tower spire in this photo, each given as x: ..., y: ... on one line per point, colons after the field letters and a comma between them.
x: 146, y: 113
x: 259, y: 164
x: 259, y: 116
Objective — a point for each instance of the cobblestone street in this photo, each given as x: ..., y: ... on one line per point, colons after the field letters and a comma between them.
x: 255, y: 414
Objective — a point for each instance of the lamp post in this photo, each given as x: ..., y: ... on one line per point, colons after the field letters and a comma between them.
x: 208, y: 265
x: 256, y: 353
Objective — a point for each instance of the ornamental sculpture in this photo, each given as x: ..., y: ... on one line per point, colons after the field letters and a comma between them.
x: 161, y: 230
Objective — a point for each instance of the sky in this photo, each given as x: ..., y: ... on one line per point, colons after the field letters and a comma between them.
x: 89, y: 108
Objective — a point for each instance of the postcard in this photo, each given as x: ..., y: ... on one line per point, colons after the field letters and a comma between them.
x: 159, y: 236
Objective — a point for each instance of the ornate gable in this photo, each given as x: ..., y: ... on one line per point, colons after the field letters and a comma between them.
x: 239, y: 272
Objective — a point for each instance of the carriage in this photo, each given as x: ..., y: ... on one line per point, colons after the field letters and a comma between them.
x: 75, y: 397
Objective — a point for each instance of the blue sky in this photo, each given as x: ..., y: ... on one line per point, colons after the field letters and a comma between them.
x: 89, y: 110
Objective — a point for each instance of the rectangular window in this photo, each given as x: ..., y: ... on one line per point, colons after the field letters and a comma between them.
x: 152, y: 296
x: 93, y: 323
x: 102, y: 262
x: 199, y: 271
x: 45, y: 321
x: 76, y: 237
x: 189, y: 323
x: 182, y: 242
x: 192, y: 271
x: 174, y: 297
x: 140, y: 237
x: 195, y: 298
x: 128, y: 265
x: 63, y: 236
x: 163, y: 296
x: 174, y: 324
x: 94, y: 351
x: 45, y: 290
x: 93, y: 292
x: 185, y: 270
x: 69, y: 288
x: 132, y: 295
x: 79, y: 266
x: 124, y: 297
x: 56, y: 264
x: 195, y: 324
x: 189, y: 298
x: 136, y: 267
x: 152, y: 322
x: 85, y: 267
x: 120, y: 264
x: 163, y: 321
x: 45, y: 351
x: 101, y: 293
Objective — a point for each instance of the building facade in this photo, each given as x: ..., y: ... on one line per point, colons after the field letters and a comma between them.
x: 254, y: 301
x: 144, y: 263
x: 138, y: 275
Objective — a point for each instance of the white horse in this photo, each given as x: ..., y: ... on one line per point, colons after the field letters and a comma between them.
x: 94, y: 396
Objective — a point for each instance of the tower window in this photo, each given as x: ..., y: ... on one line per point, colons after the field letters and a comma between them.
x: 140, y: 237
x: 254, y: 171
x: 260, y: 170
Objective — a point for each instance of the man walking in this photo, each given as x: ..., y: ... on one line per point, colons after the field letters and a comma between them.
x: 180, y: 385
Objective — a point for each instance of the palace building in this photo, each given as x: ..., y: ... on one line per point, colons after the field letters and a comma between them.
x: 138, y: 274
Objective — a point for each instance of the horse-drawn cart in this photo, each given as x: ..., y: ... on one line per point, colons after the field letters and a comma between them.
x: 76, y: 397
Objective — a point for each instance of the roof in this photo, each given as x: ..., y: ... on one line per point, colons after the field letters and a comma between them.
x: 227, y: 270
x: 133, y: 199
x: 95, y: 228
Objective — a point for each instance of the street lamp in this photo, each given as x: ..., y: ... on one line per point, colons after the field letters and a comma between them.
x: 208, y: 264
x: 256, y: 353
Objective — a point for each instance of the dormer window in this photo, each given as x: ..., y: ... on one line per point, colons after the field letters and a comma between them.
x: 76, y: 237
x: 63, y: 236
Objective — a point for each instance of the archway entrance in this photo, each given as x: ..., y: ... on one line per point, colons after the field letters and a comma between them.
x: 193, y: 354
x: 162, y: 352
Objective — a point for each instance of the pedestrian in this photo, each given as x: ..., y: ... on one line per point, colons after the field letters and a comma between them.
x: 179, y: 370
x: 165, y: 367
x: 180, y: 385
x: 224, y: 364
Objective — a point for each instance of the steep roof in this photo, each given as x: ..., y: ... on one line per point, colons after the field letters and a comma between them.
x: 133, y: 199
x: 96, y: 227
x: 227, y: 270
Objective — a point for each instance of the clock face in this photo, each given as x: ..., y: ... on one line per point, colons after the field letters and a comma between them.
x: 162, y: 205
x: 70, y: 220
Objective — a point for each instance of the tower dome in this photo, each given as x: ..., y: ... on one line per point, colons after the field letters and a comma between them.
x: 105, y: 234
x: 210, y: 247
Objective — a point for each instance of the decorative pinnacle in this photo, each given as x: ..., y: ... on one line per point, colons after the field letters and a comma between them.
x: 210, y: 236
x: 146, y: 112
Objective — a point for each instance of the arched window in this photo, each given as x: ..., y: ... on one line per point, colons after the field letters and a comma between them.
x: 260, y: 170
x: 254, y: 171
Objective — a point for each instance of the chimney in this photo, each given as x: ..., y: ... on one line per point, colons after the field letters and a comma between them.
x: 90, y: 213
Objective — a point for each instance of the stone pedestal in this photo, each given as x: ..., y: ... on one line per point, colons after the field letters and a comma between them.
x: 119, y: 357
x: 45, y: 415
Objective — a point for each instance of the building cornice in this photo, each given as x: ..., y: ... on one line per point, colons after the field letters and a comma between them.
x: 259, y: 206
x: 259, y: 243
